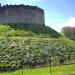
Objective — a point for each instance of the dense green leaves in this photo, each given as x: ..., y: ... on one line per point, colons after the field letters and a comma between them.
x: 16, y: 53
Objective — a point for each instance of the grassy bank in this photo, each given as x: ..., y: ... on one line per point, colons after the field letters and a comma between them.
x: 25, y: 30
x: 56, y: 70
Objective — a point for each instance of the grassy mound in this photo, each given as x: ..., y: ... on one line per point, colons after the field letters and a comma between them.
x: 24, y: 30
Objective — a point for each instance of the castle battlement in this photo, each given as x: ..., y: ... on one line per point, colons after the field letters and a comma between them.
x: 21, y: 14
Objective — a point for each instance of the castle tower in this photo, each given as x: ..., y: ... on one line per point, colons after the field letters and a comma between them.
x: 0, y: 4
x: 21, y: 14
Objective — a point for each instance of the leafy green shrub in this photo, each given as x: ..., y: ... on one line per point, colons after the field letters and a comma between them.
x: 18, y: 53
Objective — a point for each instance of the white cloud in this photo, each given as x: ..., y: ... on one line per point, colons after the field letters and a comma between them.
x: 59, y: 26
x: 70, y: 22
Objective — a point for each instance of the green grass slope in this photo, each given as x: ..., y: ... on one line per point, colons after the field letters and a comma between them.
x: 24, y: 30
x: 56, y: 70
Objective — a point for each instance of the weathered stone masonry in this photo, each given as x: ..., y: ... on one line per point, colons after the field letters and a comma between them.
x: 21, y: 14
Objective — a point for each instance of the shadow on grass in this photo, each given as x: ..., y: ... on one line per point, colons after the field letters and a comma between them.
x: 38, y: 29
x: 72, y: 73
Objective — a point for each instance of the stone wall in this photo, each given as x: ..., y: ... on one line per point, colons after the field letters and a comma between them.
x: 21, y: 14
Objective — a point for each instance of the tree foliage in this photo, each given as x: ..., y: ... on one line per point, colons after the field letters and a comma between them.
x: 69, y: 32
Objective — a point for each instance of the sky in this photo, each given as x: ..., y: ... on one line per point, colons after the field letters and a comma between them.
x: 58, y: 13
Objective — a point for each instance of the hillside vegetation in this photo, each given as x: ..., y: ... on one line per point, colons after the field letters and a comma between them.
x: 25, y: 30
x: 29, y: 46
x: 18, y: 53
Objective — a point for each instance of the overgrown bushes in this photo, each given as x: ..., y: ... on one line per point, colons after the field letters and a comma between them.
x: 18, y: 53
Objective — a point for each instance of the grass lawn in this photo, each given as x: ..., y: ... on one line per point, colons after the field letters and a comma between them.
x: 56, y: 70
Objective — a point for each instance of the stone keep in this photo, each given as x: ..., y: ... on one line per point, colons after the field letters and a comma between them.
x: 21, y: 14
